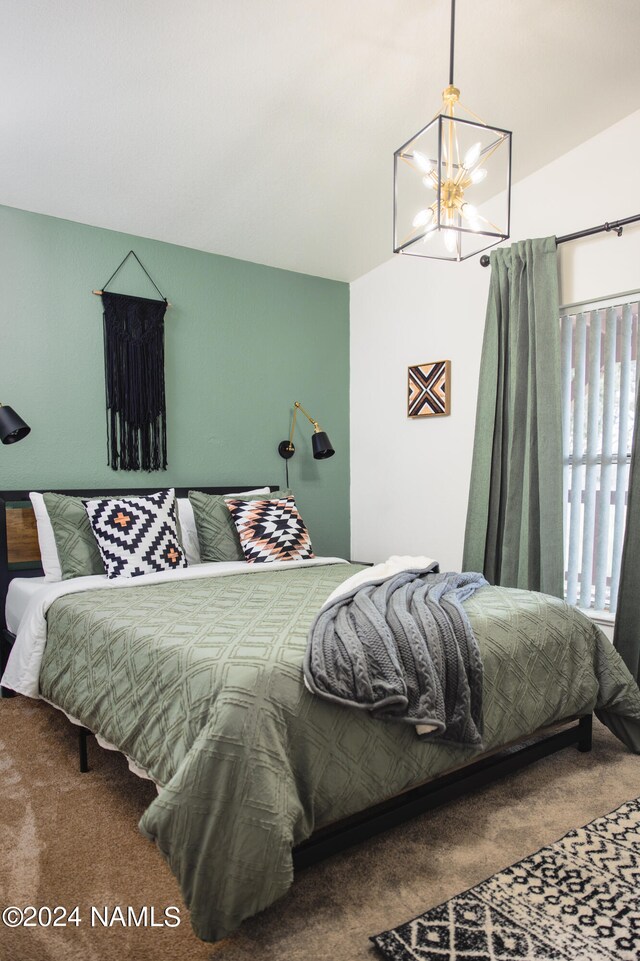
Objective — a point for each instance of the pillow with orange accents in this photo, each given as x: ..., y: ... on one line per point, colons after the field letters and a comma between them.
x: 137, y: 534
x: 270, y: 530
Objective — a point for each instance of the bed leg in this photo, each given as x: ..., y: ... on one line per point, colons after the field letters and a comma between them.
x: 82, y: 749
x: 585, y: 729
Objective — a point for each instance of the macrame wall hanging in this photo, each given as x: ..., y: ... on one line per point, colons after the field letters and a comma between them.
x: 134, y: 378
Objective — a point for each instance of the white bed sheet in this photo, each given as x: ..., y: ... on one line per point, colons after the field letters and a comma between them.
x: 21, y: 590
x: 23, y: 667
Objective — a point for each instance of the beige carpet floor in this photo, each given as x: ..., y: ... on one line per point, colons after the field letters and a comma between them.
x: 72, y: 839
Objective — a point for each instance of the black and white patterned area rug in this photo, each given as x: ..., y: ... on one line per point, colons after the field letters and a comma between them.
x: 577, y: 899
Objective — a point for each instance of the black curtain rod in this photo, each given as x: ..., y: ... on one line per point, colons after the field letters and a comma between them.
x: 615, y: 225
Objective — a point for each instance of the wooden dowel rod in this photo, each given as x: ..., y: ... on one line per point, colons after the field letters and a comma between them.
x: 98, y: 293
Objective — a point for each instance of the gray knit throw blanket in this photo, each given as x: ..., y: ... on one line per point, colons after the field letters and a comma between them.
x: 404, y: 650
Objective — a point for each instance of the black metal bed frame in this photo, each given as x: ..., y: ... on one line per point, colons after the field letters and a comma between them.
x: 380, y: 817
x: 434, y: 793
x: 440, y: 790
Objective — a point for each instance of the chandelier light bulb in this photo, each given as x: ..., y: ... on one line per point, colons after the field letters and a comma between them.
x: 425, y: 165
x: 478, y: 175
x: 423, y: 217
x: 472, y: 156
x: 450, y: 240
x: 471, y: 215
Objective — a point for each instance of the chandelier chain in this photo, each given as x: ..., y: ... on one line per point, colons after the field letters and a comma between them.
x: 451, y: 43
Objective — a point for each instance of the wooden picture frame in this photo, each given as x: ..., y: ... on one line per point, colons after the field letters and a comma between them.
x: 429, y: 389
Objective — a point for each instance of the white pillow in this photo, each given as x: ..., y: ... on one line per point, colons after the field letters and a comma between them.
x: 188, y: 531
x: 46, y: 539
x: 188, y: 524
x: 256, y: 490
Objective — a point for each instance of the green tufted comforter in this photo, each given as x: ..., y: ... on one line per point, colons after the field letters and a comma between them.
x: 200, y: 682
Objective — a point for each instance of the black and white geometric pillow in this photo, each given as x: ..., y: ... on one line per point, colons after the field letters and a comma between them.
x: 137, y: 535
x: 270, y: 530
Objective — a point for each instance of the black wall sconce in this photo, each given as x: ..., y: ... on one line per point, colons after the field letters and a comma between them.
x: 12, y: 426
x: 320, y: 441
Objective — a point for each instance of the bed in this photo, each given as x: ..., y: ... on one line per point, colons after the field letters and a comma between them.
x: 196, y: 677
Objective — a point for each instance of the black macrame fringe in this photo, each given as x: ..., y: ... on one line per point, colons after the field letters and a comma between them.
x: 134, y: 382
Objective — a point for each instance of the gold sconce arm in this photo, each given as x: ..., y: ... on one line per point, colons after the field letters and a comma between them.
x: 320, y: 442
x: 296, y: 407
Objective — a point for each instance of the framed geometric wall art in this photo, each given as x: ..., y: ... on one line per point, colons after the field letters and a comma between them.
x: 429, y: 389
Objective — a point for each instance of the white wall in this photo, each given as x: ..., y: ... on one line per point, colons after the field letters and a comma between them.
x: 410, y: 478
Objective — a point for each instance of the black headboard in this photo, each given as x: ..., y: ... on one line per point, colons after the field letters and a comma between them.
x: 19, y: 551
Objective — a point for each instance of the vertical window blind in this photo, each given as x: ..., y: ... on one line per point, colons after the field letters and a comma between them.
x: 599, y: 381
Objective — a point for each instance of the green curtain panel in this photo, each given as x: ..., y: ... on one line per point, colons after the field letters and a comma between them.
x: 626, y: 636
x: 514, y: 519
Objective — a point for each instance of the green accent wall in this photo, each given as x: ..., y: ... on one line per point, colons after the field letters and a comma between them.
x: 242, y: 343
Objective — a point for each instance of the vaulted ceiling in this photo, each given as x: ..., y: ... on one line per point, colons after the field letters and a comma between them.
x: 265, y: 129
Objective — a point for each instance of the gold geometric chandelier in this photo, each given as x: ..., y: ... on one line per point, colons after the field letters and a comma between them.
x: 452, y: 183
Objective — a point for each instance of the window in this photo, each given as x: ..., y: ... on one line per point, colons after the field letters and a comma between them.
x: 599, y: 382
